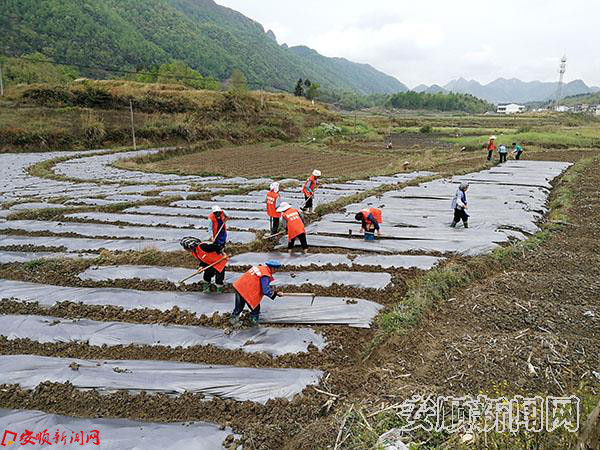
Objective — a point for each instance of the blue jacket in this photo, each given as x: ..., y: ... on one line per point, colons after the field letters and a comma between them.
x: 265, y: 284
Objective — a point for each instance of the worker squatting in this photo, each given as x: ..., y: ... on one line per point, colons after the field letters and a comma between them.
x: 256, y: 283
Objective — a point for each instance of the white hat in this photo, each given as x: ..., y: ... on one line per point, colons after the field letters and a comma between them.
x: 274, y: 186
x: 216, y: 208
x: 493, y: 137
x: 316, y: 173
x: 283, y: 207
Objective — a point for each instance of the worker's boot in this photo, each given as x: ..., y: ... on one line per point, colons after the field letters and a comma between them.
x: 466, y: 224
x: 234, y: 320
x: 253, y: 321
x: 453, y: 224
x: 206, y: 287
x: 219, y: 289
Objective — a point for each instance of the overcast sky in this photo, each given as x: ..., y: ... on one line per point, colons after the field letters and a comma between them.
x: 435, y: 41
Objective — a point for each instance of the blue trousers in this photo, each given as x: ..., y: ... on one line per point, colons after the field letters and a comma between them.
x: 240, y: 304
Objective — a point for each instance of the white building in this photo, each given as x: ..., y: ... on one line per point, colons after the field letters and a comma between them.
x: 511, y: 108
x: 563, y: 108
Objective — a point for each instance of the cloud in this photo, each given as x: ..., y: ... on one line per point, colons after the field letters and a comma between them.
x: 434, y: 41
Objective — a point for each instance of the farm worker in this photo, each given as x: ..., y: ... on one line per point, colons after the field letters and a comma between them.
x: 517, y: 150
x: 309, y: 188
x: 459, y: 204
x: 491, y: 146
x: 370, y: 218
x: 273, y: 202
x: 503, y: 152
x: 217, y: 226
x: 294, y: 224
x: 207, y: 254
x: 250, y: 289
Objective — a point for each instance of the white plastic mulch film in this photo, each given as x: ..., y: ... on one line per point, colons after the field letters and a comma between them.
x: 107, y: 434
x: 174, y: 378
x: 375, y: 280
x: 45, y: 329
x: 502, y: 199
x: 291, y: 310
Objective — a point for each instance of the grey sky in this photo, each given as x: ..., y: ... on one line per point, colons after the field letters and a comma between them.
x: 434, y: 41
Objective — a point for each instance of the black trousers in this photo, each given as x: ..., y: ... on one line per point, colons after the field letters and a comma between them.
x: 503, y: 157
x: 490, y: 154
x: 302, y: 238
x: 309, y: 202
x: 212, y: 272
x: 518, y: 155
x: 460, y: 214
x: 274, y: 225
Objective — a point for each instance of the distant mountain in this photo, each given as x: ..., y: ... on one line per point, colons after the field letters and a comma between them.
x: 505, y: 90
x: 433, y: 89
x: 212, y: 39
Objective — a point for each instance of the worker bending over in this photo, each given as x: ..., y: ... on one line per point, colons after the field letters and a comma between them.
x: 273, y: 202
x: 294, y: 224
x: 309, y: 188
x: 459, y: 204
x: 217, y: 227
x: 250, y: 289
x: 208, y: 254
x: 370, y: 218
x: 517, y: 150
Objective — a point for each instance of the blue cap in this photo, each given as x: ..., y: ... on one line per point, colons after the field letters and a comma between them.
x: 273, y: 263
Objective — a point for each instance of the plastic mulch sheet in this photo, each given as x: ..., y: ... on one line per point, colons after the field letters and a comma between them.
x: 365, y: 280
x: 174, y: 378
x: 417, y: 218
x: 83, y: 244
x: 20, y: 257
x: 203, y: 213
x: 114, y: 231
x: 207, y: 204
x: 116, y: 434
x: 293, y: 310
x: 274, y: 341
x: 167, y: 221
x: 335, y: 259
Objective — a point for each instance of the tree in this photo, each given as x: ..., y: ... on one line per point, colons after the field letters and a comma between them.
x: 299, y: 91
x: 237, y: 82
x: 313, y: 91
x: 307, y: 83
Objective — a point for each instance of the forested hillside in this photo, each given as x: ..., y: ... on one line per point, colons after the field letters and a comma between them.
x: 140, y: 35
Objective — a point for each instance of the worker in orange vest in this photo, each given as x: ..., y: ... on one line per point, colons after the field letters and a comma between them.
x: 308, y: 189
x: 217, y: 226
x: 370, y: 218
x: 207, y: 254
x: 491, y: 147
x: 273, y: 202
x: 250, y: 289
x: 294, y: 224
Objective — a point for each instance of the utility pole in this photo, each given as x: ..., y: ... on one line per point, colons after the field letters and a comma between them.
x: 1, y: 82
x: 562, y: 69
x: 132, y: 127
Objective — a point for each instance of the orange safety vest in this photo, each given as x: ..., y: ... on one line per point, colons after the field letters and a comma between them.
x: 248, y: 285
x: 209, y: 258
x: 376, y: 213
x: 312, y: 181
x: 271, y: 202
x: 215, y: 224
x: 295, y: 226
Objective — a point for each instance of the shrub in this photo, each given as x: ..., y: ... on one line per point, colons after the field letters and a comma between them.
x: 426, y: 129
x: 94, y: 131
